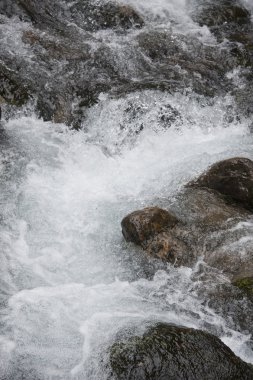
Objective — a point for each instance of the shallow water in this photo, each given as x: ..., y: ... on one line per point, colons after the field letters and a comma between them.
x: 69, y: 283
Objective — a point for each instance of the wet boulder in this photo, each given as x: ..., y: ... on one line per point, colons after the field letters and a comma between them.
x: 167, y: 351
x: 218, y: 12
x: 206, y: 226
x: 232, y: 178
x: 142, y: 225
x: 161, y: 235
x: 230, y: 256
x: 207, y: 209
x: 214, y: 230
x: 197, y: 66
x: 168, y: 247
x: 218, y: 229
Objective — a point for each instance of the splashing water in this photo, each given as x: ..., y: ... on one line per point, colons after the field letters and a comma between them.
x: 69, y: 282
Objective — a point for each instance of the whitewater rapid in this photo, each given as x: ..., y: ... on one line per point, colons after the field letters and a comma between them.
x: 69, y: 282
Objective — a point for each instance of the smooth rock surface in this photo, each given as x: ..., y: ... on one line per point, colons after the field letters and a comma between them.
x: 172, y: 352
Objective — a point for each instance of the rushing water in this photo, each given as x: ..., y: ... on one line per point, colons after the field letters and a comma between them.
x: 69, y: 283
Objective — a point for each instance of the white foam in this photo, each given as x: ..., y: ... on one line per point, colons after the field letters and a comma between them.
x: 62, y: 245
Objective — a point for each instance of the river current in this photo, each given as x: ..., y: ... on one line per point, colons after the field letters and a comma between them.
x: 69, y: 282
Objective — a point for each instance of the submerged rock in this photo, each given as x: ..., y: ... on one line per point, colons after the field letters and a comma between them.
x: 213, y: 230
x: 167, y: 246
x: 184, y: 61
x: 88, y: 15
x: 206, y: 231
x: 12, y: 91
x: 92, y: 16
x: 232, y: 178
x: 231, y: 24
x: 246, y: 285
x: 173, y: 352
x: 226, y: 299
x: 218, y: 12
x: 142, y: 225
x: 207, y: 209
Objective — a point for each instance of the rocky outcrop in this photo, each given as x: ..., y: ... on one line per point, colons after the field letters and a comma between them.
x: 232, y: 178
x: 172, y: 352
x: 206, y: 225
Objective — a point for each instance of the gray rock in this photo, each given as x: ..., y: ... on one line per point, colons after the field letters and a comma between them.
x: 173, y: 352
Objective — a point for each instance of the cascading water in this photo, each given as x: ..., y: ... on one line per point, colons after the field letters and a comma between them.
x: 69, y: 282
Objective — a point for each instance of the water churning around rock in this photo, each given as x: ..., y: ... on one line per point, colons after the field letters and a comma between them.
x: 109, y: 107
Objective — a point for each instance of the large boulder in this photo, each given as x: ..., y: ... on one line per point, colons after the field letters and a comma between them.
x: 140, y: 226
x: 173, y: 352
x: 232, y: 178
x: 206, y: 227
